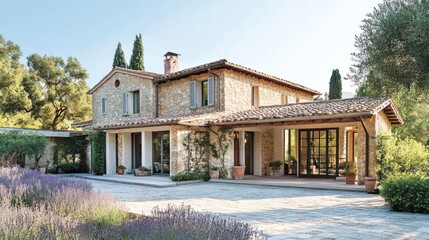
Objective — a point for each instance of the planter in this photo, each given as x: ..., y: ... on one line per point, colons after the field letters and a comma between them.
x: 238, y: 172
x: 370, y: 183
x: 276, y: 172
x: 351, y: 179
x: 140, y: 173
x: 120, y: 171
x: 214, y: 174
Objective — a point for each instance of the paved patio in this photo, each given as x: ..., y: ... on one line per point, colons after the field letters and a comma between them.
x: 285, y: 181
x: 282, y: 213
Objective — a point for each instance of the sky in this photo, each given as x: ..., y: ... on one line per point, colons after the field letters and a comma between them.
x: 298, y: 40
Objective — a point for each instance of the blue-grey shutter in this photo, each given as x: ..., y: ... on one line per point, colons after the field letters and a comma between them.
x: 124, y: 103
x: 103, y: 105
x: 211, y: 91
x: 192, y: 93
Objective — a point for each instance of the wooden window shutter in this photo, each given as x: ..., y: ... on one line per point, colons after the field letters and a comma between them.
x: 192, y: 93
x: 211, y: 91
x: 124, y: 103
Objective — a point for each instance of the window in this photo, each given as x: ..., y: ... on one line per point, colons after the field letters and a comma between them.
x: 103, y: 105
x: 124, y: 103
x: 297, y: 99
x: 284, y: 99
x: 136, y: 102
x: 201, y: 93
x: 255, y: 96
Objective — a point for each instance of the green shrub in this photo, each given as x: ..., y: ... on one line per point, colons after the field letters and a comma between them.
x: 407, y: 194
x: 98, y: 146
x: 187, y: 176
x: 398, y: 157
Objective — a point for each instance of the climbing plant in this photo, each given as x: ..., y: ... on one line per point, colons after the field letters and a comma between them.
x: 220, y: 147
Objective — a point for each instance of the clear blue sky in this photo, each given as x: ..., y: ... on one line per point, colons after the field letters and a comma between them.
x: 299, y: 40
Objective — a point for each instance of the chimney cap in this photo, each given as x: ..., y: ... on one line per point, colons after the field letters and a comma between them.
x: 171, y: 54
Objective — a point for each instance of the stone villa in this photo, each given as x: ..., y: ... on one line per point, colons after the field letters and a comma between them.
x: 146, y: 117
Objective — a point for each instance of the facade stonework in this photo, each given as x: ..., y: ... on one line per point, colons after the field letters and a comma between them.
x: 267, y: 149
x: 114, y: 95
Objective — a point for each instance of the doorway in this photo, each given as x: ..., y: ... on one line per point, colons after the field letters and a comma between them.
x: 248, y: 153
x: 136, y: 139
x: 318, y: 152
x: 161, y: 152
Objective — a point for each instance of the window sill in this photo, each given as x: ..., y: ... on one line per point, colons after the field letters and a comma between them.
x: 201, y: 107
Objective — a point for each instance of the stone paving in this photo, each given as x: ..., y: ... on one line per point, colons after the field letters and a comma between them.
x: 282, y: 213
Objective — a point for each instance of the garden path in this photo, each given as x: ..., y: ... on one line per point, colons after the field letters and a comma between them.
x: 282, y: 213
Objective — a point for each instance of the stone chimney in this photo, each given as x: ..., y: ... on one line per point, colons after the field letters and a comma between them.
x: 171, y: 62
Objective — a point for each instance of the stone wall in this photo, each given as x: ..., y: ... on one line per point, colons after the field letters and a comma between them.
x: 174, y: 96
x: 267, y: 149
x: 238, y: 92
x: 113, y: 97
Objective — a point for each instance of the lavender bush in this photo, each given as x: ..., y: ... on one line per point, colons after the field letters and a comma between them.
x: 38, y: 206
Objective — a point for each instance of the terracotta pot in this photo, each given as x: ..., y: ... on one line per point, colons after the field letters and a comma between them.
x: 238, y: 172
x: 370, y: 183
x: 351, y: 179
x: 214, y: 174
x: 120, y: 171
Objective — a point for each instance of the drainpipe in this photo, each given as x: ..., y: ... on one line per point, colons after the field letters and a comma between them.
x: 366, y: 147
x: 156, y: 100
x: 218, y: 88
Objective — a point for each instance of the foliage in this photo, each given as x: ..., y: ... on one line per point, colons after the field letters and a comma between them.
x: 391, y: 61
x: 71, y: 150
x: 137, y: 61
x: 349, y: 169
x: 146, y: 169
x: 98, y: 146
x: 215, y: 168
x: 407, y: 194
x: 39, y: 206
x: 70, y: 167
x: 335, y: 85
x: 121, y: 167
x: 275, y: 165
x: 119, y: 59
x: 187, y: 176
x: 14, y: 143
x: 220, y: 147
x: 398, y: 157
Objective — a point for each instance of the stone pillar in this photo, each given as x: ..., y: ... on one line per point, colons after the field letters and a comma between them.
x: 110, y: 153
x: 126, y: 150
x: 279, y: 147
x: 361, y: 164
x: 242, y: 138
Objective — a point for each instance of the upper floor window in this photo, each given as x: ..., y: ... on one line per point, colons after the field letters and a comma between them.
x: 297, y: 99
x: 201, y: 93
x: 255, y: 96
x: 284, y: 99
x: 103, y: 105
x: 131, y: 101
x: 136, y: 102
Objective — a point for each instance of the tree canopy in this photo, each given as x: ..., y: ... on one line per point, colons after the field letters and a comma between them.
x: 119, y: 59
x: 12, y: 144
x: 49, y: 93
x: 392, y: 60
x: 335, y: 85
x: 137, y: 61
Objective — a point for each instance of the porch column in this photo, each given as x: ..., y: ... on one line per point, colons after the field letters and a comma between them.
x: 242, y: 139
x: 147, y: 149
x: 110, y: 153
x: 257, y: 157
x: 279, y: 150
x: 126, y: 150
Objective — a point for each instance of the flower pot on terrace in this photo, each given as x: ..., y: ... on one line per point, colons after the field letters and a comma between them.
x: 238, y: 172
x: 351, y: 179
x: 370, y: 183
x: 214, y: 174
x: 120, y: 171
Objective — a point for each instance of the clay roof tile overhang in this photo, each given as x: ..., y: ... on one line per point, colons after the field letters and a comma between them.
x: 224, y: 64
x: 137, y: 73
x: 353, y: 108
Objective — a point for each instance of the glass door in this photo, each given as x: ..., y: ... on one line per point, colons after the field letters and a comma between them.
x: 248, y: 154
x: 318, y: 154
x: 161, y: 152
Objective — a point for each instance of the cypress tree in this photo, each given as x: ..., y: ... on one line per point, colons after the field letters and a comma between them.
x: 136, y: 61
x: 119, y: 59
x: 335, y: 85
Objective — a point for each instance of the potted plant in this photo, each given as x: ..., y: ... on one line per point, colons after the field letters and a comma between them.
x: 214, y: 172
x: 120, y: 169
x: 238, y: 172
x: 275, y: 167
x: 370, y: 183
x: 142, y: 171
x: 292, y: 162
x: 350, y: 172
